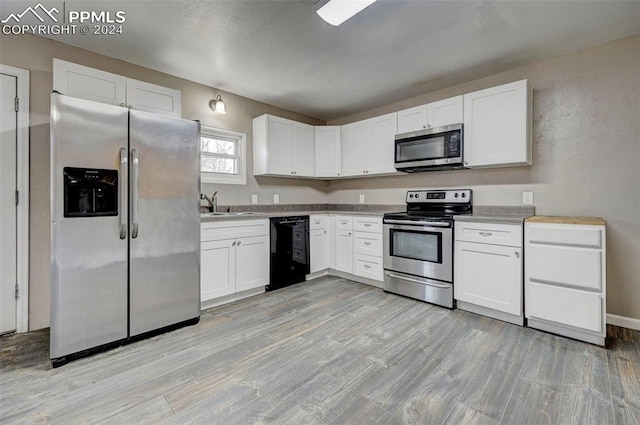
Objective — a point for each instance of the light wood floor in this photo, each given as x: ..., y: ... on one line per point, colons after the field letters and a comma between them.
x: 330, y: 351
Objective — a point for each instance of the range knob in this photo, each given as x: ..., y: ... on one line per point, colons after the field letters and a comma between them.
x: 456, y: 195
x: 411, y: 195
x: 464, y: 195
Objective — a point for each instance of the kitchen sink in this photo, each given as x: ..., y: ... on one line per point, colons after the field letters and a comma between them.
x: 231, y: 214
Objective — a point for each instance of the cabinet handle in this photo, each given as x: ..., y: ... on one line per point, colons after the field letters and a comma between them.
x: 428, y: 125
x: 325, y: 232
x: 367, y: 243
x: 349, y: 234
x: 234, y: 243
x: 366, y: 266
x: 130, y: 106
x: 367, y: 225
x: 338, y: 173
x: 485, y: 233
x: 424, y: 126
x: 123, y: 104
x: 517, y: 254
x: 466, y: 163
x: 239, y: 242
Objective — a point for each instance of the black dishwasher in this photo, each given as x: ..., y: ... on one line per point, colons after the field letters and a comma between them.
x: 289, y: 251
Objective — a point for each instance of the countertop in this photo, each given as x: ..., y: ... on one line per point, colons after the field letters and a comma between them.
x: 204, y: 218
x: 498, y: 214
x: 591, y: 221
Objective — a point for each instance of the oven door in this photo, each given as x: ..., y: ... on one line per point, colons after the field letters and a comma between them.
x: 419, y: 250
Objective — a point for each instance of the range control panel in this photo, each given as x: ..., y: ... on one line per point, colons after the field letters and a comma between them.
x: 439, y: 196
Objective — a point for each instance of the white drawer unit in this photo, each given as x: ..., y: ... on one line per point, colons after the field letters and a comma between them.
x: 317, y: 222
x: 368, y: 266
x: 488, y: 270
x: 344, y: 222
x: 368, y: 243
x: 367, y: 224
x: 565, y: 276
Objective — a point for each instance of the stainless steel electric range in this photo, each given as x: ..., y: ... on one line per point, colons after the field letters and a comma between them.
x: 418, y: 245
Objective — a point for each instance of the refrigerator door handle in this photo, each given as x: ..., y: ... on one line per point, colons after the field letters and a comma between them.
x: 134, y: 192
x: 123, y: 192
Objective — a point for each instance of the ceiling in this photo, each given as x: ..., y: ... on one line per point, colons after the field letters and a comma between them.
x: 282, y: 53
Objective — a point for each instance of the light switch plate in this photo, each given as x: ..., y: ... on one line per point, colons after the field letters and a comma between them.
x: 362, y: 199
x: 276, y: 198
x: 527, y: 198
x: 254, y: 199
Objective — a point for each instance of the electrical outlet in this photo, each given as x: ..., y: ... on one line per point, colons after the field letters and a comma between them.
x: 254, y: 199
x: 527, y: 198
x: 276, y: 198
x: 362, y: 199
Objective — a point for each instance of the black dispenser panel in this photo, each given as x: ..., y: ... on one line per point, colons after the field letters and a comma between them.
x: 90, y: 192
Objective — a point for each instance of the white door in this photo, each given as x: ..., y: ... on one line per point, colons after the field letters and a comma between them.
x: 217, y: 269
x: 380, y: 144
x: 8, y: 224
x: 155, y: 99
x: 412, y: 119
x: 353, y: 155
x: 445, y: 112
x: 328, y: 151
x: 344, y: 251
x: 304, y: 150
x: 279, y: 146
x: 318, y: 247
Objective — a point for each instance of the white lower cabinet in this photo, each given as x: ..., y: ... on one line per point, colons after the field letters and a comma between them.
x: 234, y: 258
x: 319, y: 246
x: 344, y: 250
x: 488, y: 270
x: 565, y: 276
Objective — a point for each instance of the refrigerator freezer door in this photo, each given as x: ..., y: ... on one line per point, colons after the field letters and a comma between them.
x: 164, y: 271
x: 88, y: 254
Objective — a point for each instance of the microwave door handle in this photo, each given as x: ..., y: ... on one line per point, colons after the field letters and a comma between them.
x: 417, y: 223
x: 122, y: 193
x: 422, y: 282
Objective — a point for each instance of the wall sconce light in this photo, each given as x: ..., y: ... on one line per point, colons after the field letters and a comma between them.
x: 217, y: 105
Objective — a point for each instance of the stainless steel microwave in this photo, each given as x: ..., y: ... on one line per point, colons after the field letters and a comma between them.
x: 429, y: 150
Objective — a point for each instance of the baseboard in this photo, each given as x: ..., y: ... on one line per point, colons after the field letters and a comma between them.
x: 623, y: 322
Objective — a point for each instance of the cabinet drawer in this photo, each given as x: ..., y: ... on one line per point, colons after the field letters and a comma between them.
x: 214, y: 231
x: 564, y: 265
x: 565, y: 234
x: 317, y: 222
x: 344, y: 222
x: 566, y: 306
x: 368, y: 244
x: 368, y: 266
x: 495, y: 234
x: 367, y: 224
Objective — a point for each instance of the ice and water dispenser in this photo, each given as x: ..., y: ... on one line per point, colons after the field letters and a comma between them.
x: 90, y: 192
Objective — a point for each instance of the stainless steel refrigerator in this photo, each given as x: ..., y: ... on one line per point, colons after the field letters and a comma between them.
x: 125, y: 225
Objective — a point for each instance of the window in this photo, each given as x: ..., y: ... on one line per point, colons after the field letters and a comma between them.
x: 223, y: 156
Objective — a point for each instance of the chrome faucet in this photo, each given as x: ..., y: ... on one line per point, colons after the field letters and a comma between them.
x: 213, y: 201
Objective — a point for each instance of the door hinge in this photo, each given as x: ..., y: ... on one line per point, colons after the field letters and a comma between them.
x: 17, y: 104
x: 17, y: 197
x: 17, y: 291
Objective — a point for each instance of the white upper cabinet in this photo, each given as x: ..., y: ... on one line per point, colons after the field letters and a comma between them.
x: 93, y: 84
x: 328, y: 147
x: 435, y: 114
x: 367, y: 146
x: 497, y: 126
x: 303, y: 162
x: 87, y: 83
x: 282, y: 147
x: 153, y: 98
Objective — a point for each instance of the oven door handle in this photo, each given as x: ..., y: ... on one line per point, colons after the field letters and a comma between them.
x: 422, y: 282
x: 417, y: 223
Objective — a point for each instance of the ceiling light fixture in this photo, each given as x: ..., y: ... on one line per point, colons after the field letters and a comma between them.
x: 217, y: 105
x: 336, y: 12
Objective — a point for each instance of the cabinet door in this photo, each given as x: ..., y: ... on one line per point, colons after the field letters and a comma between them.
x: 304, y: 151
x: 412, y: 119
x: 380, y: 144
x: 331, y: 242
x: 318, y: 240
x: 328, y: 151
x: 445, y: 112
x: 489, y: 276
x: 354, y: 156
x: 87, y: 83
x: 217, y: 269
x: 497, y: 126
x: 279, y: 149
x: 153, y: 98
x: 252, y: 262
x: 344, y: 251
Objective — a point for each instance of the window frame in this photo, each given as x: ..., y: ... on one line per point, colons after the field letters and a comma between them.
x: 222, y: 178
